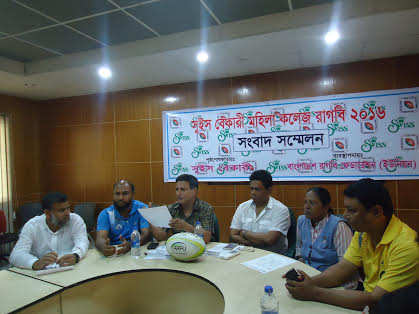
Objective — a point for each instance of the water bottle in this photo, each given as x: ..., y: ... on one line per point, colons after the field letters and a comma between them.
x: 135, y: 243
x: 198, y: 229
x: 269, y: 303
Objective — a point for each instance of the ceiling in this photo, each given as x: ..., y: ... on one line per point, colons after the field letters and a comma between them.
x: 53, y: 48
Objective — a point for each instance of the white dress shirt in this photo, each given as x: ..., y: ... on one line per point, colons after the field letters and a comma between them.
x: 36, y: 239
x: 274, y: 217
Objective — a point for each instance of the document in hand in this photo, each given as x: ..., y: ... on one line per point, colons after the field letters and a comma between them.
x: 157, y: 216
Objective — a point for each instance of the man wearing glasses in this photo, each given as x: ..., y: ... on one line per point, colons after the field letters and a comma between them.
x: 116, y: 223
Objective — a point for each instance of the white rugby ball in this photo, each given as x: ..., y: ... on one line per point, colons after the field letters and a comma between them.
x: 185, y: 246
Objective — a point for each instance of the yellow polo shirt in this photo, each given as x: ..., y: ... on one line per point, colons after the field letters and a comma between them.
x: 393, y: 264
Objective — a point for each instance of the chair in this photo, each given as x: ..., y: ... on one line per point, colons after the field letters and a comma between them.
x: 292, y: 235
x: 216, y: 229
x: 5, y: 238
x: 28, y: 211
x: 87, y: 212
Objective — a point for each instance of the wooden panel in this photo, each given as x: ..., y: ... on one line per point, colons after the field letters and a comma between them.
x: 68, y: 179
x: 224, y: 215
x: 410, y: 217
x: 211, y: 93
x: 407, y: 190
x: 133, y: 141
x: 159, y: 93
x: 156, y: 140
x: 63, y: 111
x: 217, y: 194
x: 99, y: 181
x: 308, y: 82
x: 406, y: 70
x: 162, y: 193
x: 97, y: 108
x: 99, y: 142
x: 140, y: 175
x: 131, y: 105
x: 363, y: 76
x: 254, y: 88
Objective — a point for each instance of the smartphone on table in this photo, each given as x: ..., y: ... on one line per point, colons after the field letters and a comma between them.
x: 153, y: 245
x: 230, y: 246
x: 292, y: 274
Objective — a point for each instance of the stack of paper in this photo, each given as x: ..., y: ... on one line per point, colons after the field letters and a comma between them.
x: 158, y: 253
x: 268, y: 263
x: 214, y: 251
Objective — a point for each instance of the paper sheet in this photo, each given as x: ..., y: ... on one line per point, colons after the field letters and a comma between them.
x: 268, y: 263
x: 158, y: 216
x: 158, y: 253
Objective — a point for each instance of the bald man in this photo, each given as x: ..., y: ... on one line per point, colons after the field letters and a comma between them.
x: 116, y: 223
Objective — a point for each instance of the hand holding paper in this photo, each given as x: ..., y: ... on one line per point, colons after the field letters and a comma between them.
x: 157, y: 216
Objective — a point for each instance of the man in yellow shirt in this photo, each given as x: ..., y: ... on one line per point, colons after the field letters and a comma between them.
x: 383, y: 246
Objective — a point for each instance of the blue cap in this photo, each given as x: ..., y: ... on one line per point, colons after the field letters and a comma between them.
x: 269, y: 289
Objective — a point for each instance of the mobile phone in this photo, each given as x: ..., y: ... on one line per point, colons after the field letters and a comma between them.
x: 153, y: 245
x: 230, y: 246
x: 292, y: 274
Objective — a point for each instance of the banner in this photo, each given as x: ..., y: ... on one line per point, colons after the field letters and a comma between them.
x: 337, y: 137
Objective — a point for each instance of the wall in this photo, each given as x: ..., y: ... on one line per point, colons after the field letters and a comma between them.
x: 89, y: 142
x: 25, y: 147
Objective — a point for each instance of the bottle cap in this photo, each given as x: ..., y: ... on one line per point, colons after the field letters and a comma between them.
x: 269, y: 289
x: 198, y: 223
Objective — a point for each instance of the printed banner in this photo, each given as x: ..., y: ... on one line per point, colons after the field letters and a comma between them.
x: 337, y: 137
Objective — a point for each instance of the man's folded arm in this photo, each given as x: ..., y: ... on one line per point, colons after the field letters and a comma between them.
x: 21, y: 256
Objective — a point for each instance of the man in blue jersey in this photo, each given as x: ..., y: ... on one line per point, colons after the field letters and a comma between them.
x: 116, y: 223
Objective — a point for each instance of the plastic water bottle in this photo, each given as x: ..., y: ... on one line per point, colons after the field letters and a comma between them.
x: 198, y: 229
x: 135, y: 243
x: 269, y: 303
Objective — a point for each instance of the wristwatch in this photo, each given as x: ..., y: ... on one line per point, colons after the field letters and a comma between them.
x: 77, y: 257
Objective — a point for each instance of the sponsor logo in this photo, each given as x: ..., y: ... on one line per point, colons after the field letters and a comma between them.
x: 225, y: 134
x: 202, y: 136
x: 198, y: 150
x: 371, y: 143
x: 340, y: 144
x: 408, y: 104
x: 409, y: 142
x: 178, y: 247
x: 175, y: 122
x: 180, y: 137
x: 176, y: 152
x: 336, y: 127
x: 178, y: 168
x: 368, y: 126
x: 224, y: 149
x: 400, y: 123
x: 276, y: 166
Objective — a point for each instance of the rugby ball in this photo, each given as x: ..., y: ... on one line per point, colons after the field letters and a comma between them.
x: 185, y: 246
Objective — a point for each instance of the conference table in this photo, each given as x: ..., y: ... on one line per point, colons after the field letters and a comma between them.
x: 128, y: 284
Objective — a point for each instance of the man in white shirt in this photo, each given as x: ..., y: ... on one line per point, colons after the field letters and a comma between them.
x: 57, y: 236
x: 262, y: 221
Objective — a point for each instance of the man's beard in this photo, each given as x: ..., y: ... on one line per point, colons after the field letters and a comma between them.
x: 122, y: 208
x: 57, y: 222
